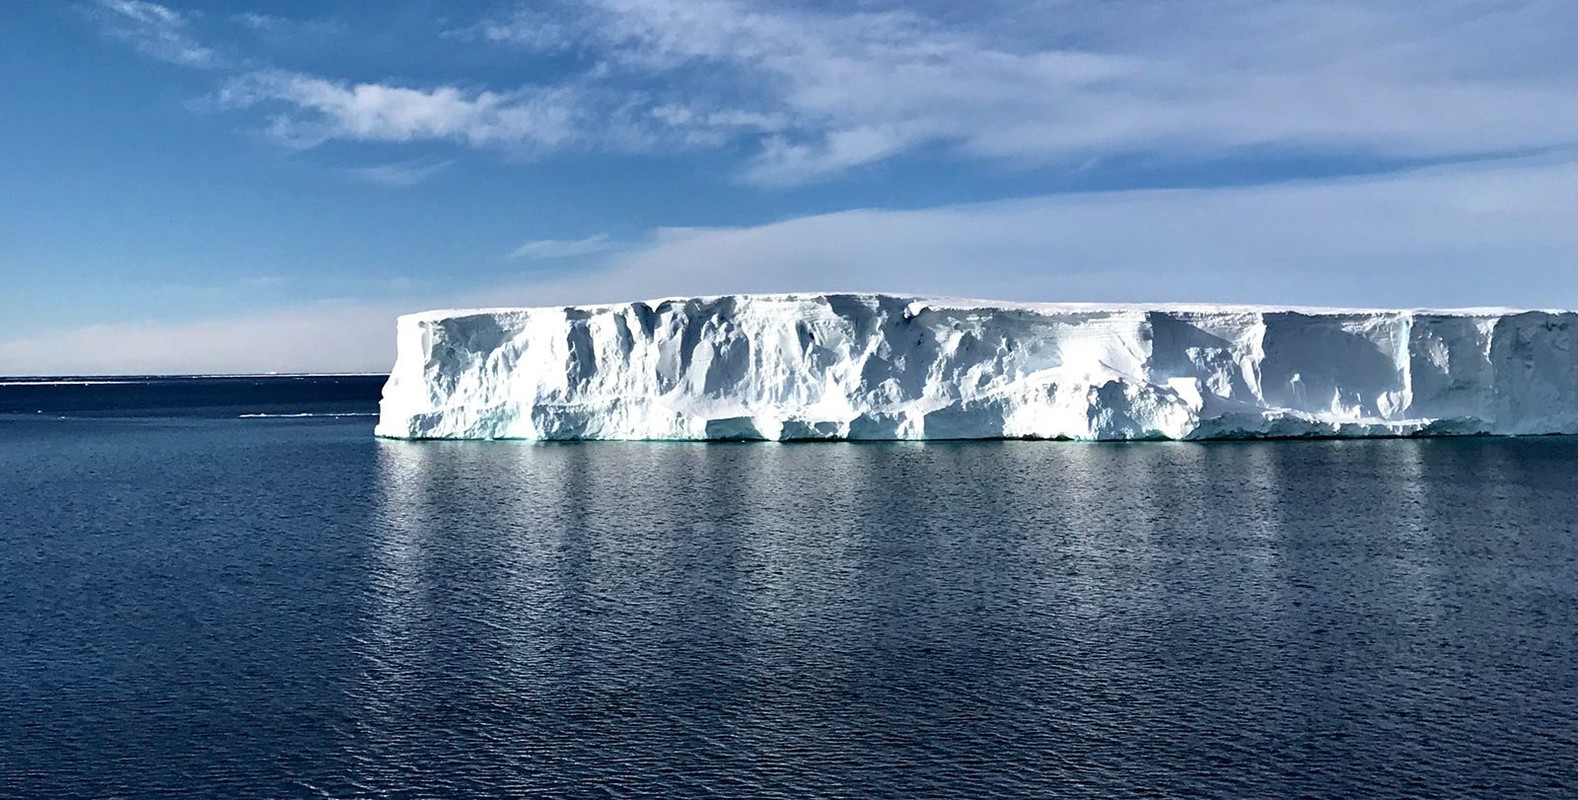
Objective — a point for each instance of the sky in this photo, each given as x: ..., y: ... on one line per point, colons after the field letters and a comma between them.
x: 232, y: 187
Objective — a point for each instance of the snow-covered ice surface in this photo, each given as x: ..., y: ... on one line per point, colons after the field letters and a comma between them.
x: 863, y: 366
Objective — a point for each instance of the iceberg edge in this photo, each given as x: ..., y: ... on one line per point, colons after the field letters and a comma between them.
x: 807, y: 367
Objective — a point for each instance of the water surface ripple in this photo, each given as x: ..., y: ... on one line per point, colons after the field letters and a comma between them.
x: 285, y: 607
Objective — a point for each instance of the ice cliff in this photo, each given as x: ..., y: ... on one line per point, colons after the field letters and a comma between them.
x: 861, y: 366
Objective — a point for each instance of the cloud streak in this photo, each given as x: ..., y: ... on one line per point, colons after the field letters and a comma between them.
x: 156, y: 31
x: 400, y: 174
x: 809, y: 92
x: 1502, y: 232
x: 818, y: 92
x: 323, y: 110
x: 547, y: 249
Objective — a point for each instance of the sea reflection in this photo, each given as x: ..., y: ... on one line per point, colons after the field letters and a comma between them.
x: 694, y: 618
x: 270, y: 610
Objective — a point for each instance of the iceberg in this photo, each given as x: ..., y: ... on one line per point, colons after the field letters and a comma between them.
x: 875, y: 366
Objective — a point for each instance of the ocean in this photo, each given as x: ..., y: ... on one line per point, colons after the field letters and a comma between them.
x: 227, y: 587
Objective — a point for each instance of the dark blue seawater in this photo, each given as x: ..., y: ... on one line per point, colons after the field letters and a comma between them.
x: 193, y: 603
x: 218, y: 396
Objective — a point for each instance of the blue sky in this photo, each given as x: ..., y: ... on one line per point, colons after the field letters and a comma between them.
x: 194, y: 186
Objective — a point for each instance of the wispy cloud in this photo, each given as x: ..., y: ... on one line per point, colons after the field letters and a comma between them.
x: 532, y: 28
x: 822, y: 90
x: 257, y: 21
x: 154, y: 30
x: 810, y: 91
x: 1503, y: 231
x: 400, y: 173
x: 309, y: 32
x: 1079, y: 77
x: 320, y: 110
x: 545, y: 249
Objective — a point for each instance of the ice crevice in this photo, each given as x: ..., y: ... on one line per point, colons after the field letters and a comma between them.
x: 874, y: 366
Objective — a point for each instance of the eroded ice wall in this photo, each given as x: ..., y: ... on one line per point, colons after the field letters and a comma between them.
x: 882, y: 367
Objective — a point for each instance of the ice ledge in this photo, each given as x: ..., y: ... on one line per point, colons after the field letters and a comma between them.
x: 872, y: 366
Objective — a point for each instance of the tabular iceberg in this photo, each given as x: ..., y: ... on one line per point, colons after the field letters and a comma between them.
x: 869, y: 366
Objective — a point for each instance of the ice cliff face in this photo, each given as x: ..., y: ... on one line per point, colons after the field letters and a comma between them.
x: 854, y: 366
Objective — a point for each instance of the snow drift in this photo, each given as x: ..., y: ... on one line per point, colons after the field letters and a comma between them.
x: 862, y: 366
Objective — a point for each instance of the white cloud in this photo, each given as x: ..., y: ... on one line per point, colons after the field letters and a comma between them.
x: 154, y: 30
x: 375, y: 112
x: 1499, y: 234
x: 308, y: 32
x: 400, y: 173
x: 1448, y: 237
x: 814, y: 90
x: 825, y: 90
x: 527, y: 27
x: 259, y: 22
x: 544, y: 249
